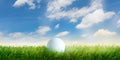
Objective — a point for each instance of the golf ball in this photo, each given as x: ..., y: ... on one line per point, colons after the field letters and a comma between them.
x: 56, y: 44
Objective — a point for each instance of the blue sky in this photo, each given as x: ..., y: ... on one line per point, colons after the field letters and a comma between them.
x: 66, y: 19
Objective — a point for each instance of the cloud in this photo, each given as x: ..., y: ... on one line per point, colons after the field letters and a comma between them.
x: 30, y: 3
x: 16, y: 35
x: 34, y: 38
x: 93, y: 18
x: 92, y: 14
x: 61, y: 34
x: 22, y: 39
x: 84, y: 35
x: 1, y: 34
x: 43, y: 30
x: 57, y: 26
x: 118, y: 23
x: 56, y: 9
x: 104, y: 33
x: 57, y: 5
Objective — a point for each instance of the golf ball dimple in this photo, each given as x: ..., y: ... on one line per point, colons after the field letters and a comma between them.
x: 56, y: 44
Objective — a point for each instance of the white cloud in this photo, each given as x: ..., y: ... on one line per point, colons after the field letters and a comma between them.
x: 57, y: 5
x: 104, y: 33
x: 84, y: 35
x: 56, y: 9
x: 25, y: 39
x: 61, y: 34
x: 16, y: 35
x: 30, y: 3
x: 92, y: 14
x: 57, y: 26
x: 93, y: 18
x: 118, y: 23
x: 1, y: 34
x: 22, y: 39
x: 43, y: 30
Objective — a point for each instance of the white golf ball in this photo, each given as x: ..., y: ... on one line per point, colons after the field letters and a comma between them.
x: 56, y: 44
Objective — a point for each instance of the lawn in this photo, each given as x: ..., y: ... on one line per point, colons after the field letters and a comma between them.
x: 71, y: 53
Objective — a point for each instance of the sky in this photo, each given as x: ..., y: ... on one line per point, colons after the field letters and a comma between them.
x: 34, y: 22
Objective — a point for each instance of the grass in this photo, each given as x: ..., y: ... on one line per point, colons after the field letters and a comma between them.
x: 71, y: 53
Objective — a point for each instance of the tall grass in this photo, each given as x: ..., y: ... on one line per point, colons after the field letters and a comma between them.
x: 71, y: 53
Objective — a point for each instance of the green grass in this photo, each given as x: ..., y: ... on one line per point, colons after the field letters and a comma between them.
x: 71, y: 53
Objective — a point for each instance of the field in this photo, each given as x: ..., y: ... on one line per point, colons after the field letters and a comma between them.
x: 71, y: 53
